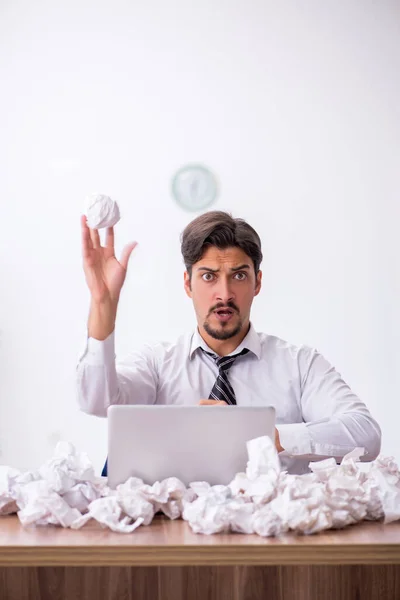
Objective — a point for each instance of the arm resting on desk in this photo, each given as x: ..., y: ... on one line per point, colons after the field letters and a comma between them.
x: 335, y: 419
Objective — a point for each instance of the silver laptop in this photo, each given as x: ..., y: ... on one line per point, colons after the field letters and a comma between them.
x: 193, y: 443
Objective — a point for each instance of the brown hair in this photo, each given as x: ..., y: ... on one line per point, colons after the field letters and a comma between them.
x: 220, y: 229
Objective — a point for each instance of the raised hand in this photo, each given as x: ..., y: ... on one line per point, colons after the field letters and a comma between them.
x: 105, y: 276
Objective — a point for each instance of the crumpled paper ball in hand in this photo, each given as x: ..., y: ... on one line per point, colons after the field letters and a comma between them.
x: 101, y: 211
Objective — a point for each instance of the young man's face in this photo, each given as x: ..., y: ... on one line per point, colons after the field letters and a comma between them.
x: 222, y: 287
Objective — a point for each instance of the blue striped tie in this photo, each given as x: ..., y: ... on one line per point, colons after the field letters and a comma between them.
x: 222, y: 389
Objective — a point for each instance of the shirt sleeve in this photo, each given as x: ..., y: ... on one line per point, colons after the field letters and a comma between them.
x: 102, y: 382
x: 335, y: 420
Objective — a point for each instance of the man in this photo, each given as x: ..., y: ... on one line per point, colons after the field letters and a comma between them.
x: 224, y: 361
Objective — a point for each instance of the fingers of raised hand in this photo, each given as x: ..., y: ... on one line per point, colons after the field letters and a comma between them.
x: 126, y: 253
x: 110, y: 238
x: 86, y: 239
x: 95, y: 237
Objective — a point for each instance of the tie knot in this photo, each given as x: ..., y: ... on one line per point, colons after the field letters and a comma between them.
x: 224, y: 363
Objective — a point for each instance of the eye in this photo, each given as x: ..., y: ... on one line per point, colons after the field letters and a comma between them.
x: 207, y: 276
x: 240, y: 276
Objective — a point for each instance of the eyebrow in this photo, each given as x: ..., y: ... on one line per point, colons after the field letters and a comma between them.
x: 233, y: 269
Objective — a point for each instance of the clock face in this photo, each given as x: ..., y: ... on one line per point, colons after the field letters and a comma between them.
x: 194, y: 187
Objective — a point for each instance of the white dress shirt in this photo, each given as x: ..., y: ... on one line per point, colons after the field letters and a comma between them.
x: 317, y: 414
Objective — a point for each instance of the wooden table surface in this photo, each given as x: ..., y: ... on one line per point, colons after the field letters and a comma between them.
x: 172, y: 543
x: 167, y: 560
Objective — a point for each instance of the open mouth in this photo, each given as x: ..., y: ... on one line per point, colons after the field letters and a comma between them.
x: 224, y: 314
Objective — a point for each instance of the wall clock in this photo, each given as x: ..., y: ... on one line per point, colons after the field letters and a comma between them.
x: 194, y: 187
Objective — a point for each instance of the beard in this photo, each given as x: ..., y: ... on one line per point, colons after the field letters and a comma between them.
x: 224, y: 333
x: 225, y: 330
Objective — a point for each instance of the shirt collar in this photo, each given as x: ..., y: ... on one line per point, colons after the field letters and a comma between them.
x: 251, y: 342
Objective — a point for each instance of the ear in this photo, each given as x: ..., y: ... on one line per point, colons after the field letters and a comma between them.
x: 187, y: 285
x: 258, y: 283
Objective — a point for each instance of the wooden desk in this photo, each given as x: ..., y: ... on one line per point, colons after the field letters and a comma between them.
x: 167, y: 561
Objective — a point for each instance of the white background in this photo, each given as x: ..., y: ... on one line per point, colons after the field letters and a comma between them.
x: 296, y: 108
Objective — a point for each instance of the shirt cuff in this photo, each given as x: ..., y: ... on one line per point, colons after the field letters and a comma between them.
x: 99, y: 352
x: 295, y: 439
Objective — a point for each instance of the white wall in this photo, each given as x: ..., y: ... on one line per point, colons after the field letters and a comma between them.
x: 295, y: 106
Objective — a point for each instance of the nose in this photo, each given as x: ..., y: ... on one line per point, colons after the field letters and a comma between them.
x: 224, y: 292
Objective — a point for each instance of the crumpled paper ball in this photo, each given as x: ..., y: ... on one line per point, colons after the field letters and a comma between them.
x: 55, y: 494
x: 101, y: 211
x: 263, y: 500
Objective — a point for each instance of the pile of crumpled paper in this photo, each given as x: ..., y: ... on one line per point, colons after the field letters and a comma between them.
x: 264, y: 500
